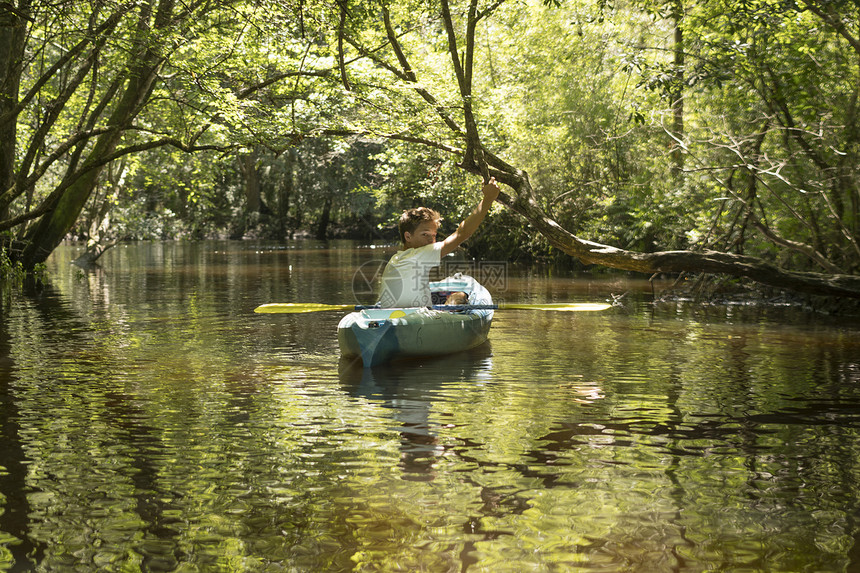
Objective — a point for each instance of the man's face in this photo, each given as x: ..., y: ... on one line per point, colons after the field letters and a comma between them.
x: 425, y: 234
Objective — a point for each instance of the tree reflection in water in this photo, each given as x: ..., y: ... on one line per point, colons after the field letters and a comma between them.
x: 150, y: 420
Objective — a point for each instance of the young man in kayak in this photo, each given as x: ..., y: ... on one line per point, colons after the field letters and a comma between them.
x: 406, y: 278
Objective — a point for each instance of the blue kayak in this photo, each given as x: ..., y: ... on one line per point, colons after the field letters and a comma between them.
x: 380, y: 335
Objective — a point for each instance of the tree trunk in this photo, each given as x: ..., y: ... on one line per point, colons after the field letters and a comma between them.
x: 678, y: 89
x: 589, y: 252
x: 248, y: 164
x: 285, y: 192
x: 12, y: 39
x: 44, y: 237
x: 325, y: 220
x: 98, y: 232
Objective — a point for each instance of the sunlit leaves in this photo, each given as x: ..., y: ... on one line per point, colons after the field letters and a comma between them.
x: 579, y: 94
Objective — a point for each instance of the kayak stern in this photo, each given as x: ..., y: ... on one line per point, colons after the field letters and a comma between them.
x: 380, y: 335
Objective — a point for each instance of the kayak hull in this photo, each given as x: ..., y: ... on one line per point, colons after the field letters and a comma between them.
x: 383, y: 335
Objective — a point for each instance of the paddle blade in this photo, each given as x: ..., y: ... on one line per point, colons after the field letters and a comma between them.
x: 563, y: 306
x: 300, y: 307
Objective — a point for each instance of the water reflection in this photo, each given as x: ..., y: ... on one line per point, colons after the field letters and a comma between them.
x: 150, y: 421
x: 411, y: 389
x: 422, y: 396
x: 16, y: 546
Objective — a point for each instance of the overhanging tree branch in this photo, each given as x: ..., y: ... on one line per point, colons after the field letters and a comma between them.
x: 96, y: 36
x: 524, y: 203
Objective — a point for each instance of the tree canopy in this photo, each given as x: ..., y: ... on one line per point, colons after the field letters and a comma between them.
x: 650, y: 135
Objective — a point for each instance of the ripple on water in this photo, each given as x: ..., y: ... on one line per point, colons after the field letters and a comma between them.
x: 160, y: 424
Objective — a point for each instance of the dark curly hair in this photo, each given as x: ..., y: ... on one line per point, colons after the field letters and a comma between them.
x: 411, y: 218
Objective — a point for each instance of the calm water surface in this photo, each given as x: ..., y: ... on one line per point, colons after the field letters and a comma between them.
x: 150, y: 421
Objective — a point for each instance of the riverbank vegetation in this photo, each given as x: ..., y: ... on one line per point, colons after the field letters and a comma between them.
x: 646, y: 135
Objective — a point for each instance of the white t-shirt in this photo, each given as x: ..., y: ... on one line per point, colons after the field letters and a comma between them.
x: 406, y: 278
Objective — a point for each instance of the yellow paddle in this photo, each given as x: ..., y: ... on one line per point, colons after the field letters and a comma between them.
x: 302, y: 307
x: 566, y: 306
x: 299, y: 307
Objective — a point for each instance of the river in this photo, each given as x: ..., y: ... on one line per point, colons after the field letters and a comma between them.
x: 150, y: 421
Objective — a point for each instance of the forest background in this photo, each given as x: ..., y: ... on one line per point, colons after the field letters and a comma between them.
x: 646, y: 135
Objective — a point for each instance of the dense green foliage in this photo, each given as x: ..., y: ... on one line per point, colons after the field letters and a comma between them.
x: 648, y: 125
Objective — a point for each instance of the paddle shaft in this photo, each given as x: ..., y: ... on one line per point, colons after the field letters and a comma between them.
x: 560, y: 306
x: 298, y: 308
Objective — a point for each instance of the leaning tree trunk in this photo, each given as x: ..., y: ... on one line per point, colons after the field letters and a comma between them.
x: 477, y: 160
x: 524, y: 203
x: 44, y: 237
